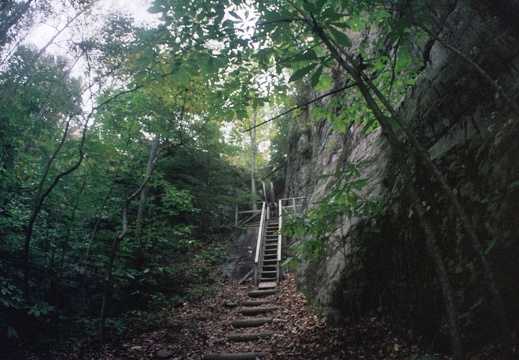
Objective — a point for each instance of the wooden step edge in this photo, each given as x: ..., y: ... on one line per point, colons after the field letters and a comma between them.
x: 249, y: 311
x: 266, y: 284
x: 260, y: 293
x: 254, y: 302
x: 250, y: 336
x: 236, y: 356
x: 253, y: 322
x: 267, y: 268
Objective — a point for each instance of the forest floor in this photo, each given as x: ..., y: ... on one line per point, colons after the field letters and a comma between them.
x: 193, y: 329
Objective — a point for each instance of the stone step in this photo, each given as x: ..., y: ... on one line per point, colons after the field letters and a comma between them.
x: 236, y: 356
x: 250, y: 336
x: 267, y: 285
x: 260, y: 293
x: 255, y: 302
x: 253, y: 322
x: 250, y: 311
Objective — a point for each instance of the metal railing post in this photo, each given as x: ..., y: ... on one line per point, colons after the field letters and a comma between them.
x: 280, y: 239
x: 259, y: 244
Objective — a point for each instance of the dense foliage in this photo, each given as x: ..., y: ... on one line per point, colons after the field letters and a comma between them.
x: 115, y: 197
x: 111, y: 180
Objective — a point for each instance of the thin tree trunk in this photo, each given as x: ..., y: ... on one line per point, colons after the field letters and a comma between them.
x: 141, y: 211
x: 41, y: 196
x: 98, y: 221
x: 431, y: 241
x: 154, y: 155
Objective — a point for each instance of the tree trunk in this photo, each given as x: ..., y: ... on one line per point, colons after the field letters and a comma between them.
x: 431, y: 241
x: 41, y: 196
x: 141, y: 211
x: 154, y: 155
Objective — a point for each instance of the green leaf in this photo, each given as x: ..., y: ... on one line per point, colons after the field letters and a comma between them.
x: 316, y: 76
x: 309, y: 55
x: 339, y: 125
x: 340, y: 37
x: 319, y: 4
x: 359, y: 184
x: 181, y: 77
x: 325, y: 82
x: 302, y: 72
x: 258, y: 102
x: 311, y: 8
x: 235, y: 15
x: 242, y: 114
x: 490, y: 246
x: 331, y: 14
x: 203, y: 62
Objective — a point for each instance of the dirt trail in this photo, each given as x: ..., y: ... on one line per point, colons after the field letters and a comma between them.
x: 195, y: 329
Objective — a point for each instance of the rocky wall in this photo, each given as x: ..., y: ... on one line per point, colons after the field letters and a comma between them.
x: 472, y: 134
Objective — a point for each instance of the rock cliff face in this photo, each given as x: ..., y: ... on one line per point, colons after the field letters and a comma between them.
x: 472, y: 133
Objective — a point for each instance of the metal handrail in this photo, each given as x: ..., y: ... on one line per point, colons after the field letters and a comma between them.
x: 294, y: 205
x: 280, y: 239
x: 250, y: 210
x: 261, y: 239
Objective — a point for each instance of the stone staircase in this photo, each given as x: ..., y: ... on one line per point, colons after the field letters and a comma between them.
x: 253, y: 312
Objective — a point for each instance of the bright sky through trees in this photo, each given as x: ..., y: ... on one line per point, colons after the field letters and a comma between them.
x: 137, y: 9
